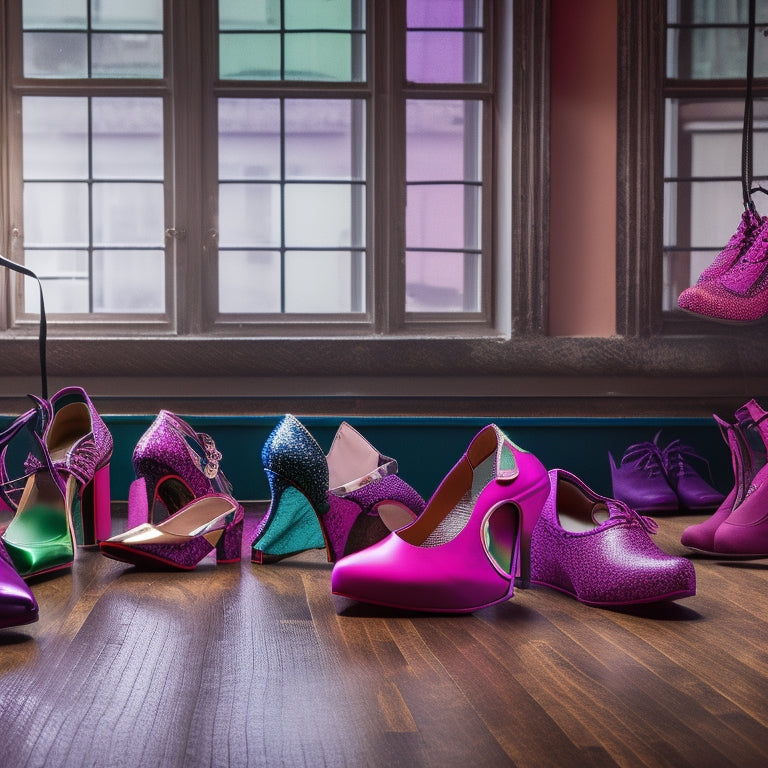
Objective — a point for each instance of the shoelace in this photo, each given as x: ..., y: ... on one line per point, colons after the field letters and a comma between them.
x: 646, y: 456
x: 623, y: 513
x: 677, y: 459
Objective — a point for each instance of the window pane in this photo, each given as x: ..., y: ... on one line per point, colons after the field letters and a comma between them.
x: 134, y: 15
x: 127, y: 138
x: 127, y: 55
x: 443, y: 216
x: 249, y: 139
x: 322, y: 215
x: 55, y: 54
x: 444, y: 57
x: 128, y: 41
x: 62, y: 14
x: 55, y: 137
x: 322, y: 281
x: 442, y: 282
x: 316, y: 41
x: 249, y: 281
x: 319, y: 139
x: 249, y: 214
x: 129, y: 281
x: 319, y: 56
x: 128, y: 214
x: 443, y: 140
x: 55, y: 214
x: 64, y: 275
x: 446, y: 13
x: 249, y: 57
x: 249, y: 14
x: 330, y: 14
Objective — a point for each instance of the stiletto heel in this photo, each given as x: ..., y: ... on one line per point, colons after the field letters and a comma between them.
x: 174, y: 465
x: 344, y: 501
x: 464, y: 550
x: 181, y: 541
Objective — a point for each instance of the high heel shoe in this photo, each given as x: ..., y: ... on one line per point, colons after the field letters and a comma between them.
x: 173, y: 464
x: 744, y: 532
x: 748, y: 456
x: 344, y: 502
x: 599, y: 550
x: 181, y: 541
x: 17, y: 603
x: 464, y: 550
x: 65, y: 499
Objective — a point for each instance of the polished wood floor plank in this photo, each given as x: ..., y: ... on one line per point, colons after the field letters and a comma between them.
x: 243, y: 665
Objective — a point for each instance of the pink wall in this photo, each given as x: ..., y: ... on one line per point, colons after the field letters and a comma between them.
x: 583, y: 172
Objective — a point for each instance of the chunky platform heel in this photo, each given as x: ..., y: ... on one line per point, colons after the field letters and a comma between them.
x: 344, y: 501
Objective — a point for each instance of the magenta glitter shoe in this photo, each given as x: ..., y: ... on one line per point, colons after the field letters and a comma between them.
x: 174, y: 464
x: 213, y: 521
x: 640, y: 480
x: 600, y: 551
x: 462, y: 553
x: 344, y: 501
x: 748, y: 456
x: 738, y: 295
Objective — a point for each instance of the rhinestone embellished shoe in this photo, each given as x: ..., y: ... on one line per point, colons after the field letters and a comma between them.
x: 174, y: 465
x: 344, y: 501
x: 463, y: 552
x: 600, y: 551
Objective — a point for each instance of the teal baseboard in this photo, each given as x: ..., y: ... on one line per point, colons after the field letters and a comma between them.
x: 426, y: 448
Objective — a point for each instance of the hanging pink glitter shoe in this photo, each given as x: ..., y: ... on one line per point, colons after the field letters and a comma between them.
x: 740, y: 293
x: 462, y: 553
x: 600, y: 551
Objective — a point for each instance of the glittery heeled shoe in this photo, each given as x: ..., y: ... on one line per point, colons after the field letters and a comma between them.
x: 173, y: 464
x: 65, y: 500
x: 344, y: 501
x: 599, y: 550
x: 181, y: 541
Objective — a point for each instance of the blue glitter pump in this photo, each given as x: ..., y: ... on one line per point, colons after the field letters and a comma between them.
x: 344, y: 501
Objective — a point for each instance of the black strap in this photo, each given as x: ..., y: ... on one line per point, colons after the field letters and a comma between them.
x: 746, y: 136
x: 43, y: 334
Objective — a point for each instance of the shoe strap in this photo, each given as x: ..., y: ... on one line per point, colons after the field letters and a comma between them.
x: 43, y: 332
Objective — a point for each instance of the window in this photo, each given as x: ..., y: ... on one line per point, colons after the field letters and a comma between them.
x: 333, y: 174
x: 704, y: 110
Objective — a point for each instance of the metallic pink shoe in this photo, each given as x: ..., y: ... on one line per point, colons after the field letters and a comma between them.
x: 600, y: 551
x: 181, y: 541
x: 17, y: 603
x: 462, y: 553
x: 748, y: 456
x: 739, y: 294
x: 174, y: 464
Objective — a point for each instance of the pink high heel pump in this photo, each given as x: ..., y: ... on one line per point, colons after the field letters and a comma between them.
x: 174, y: 464
x: 464, y: 550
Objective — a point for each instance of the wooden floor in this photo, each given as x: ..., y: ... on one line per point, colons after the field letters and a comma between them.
x: 245, y: 665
